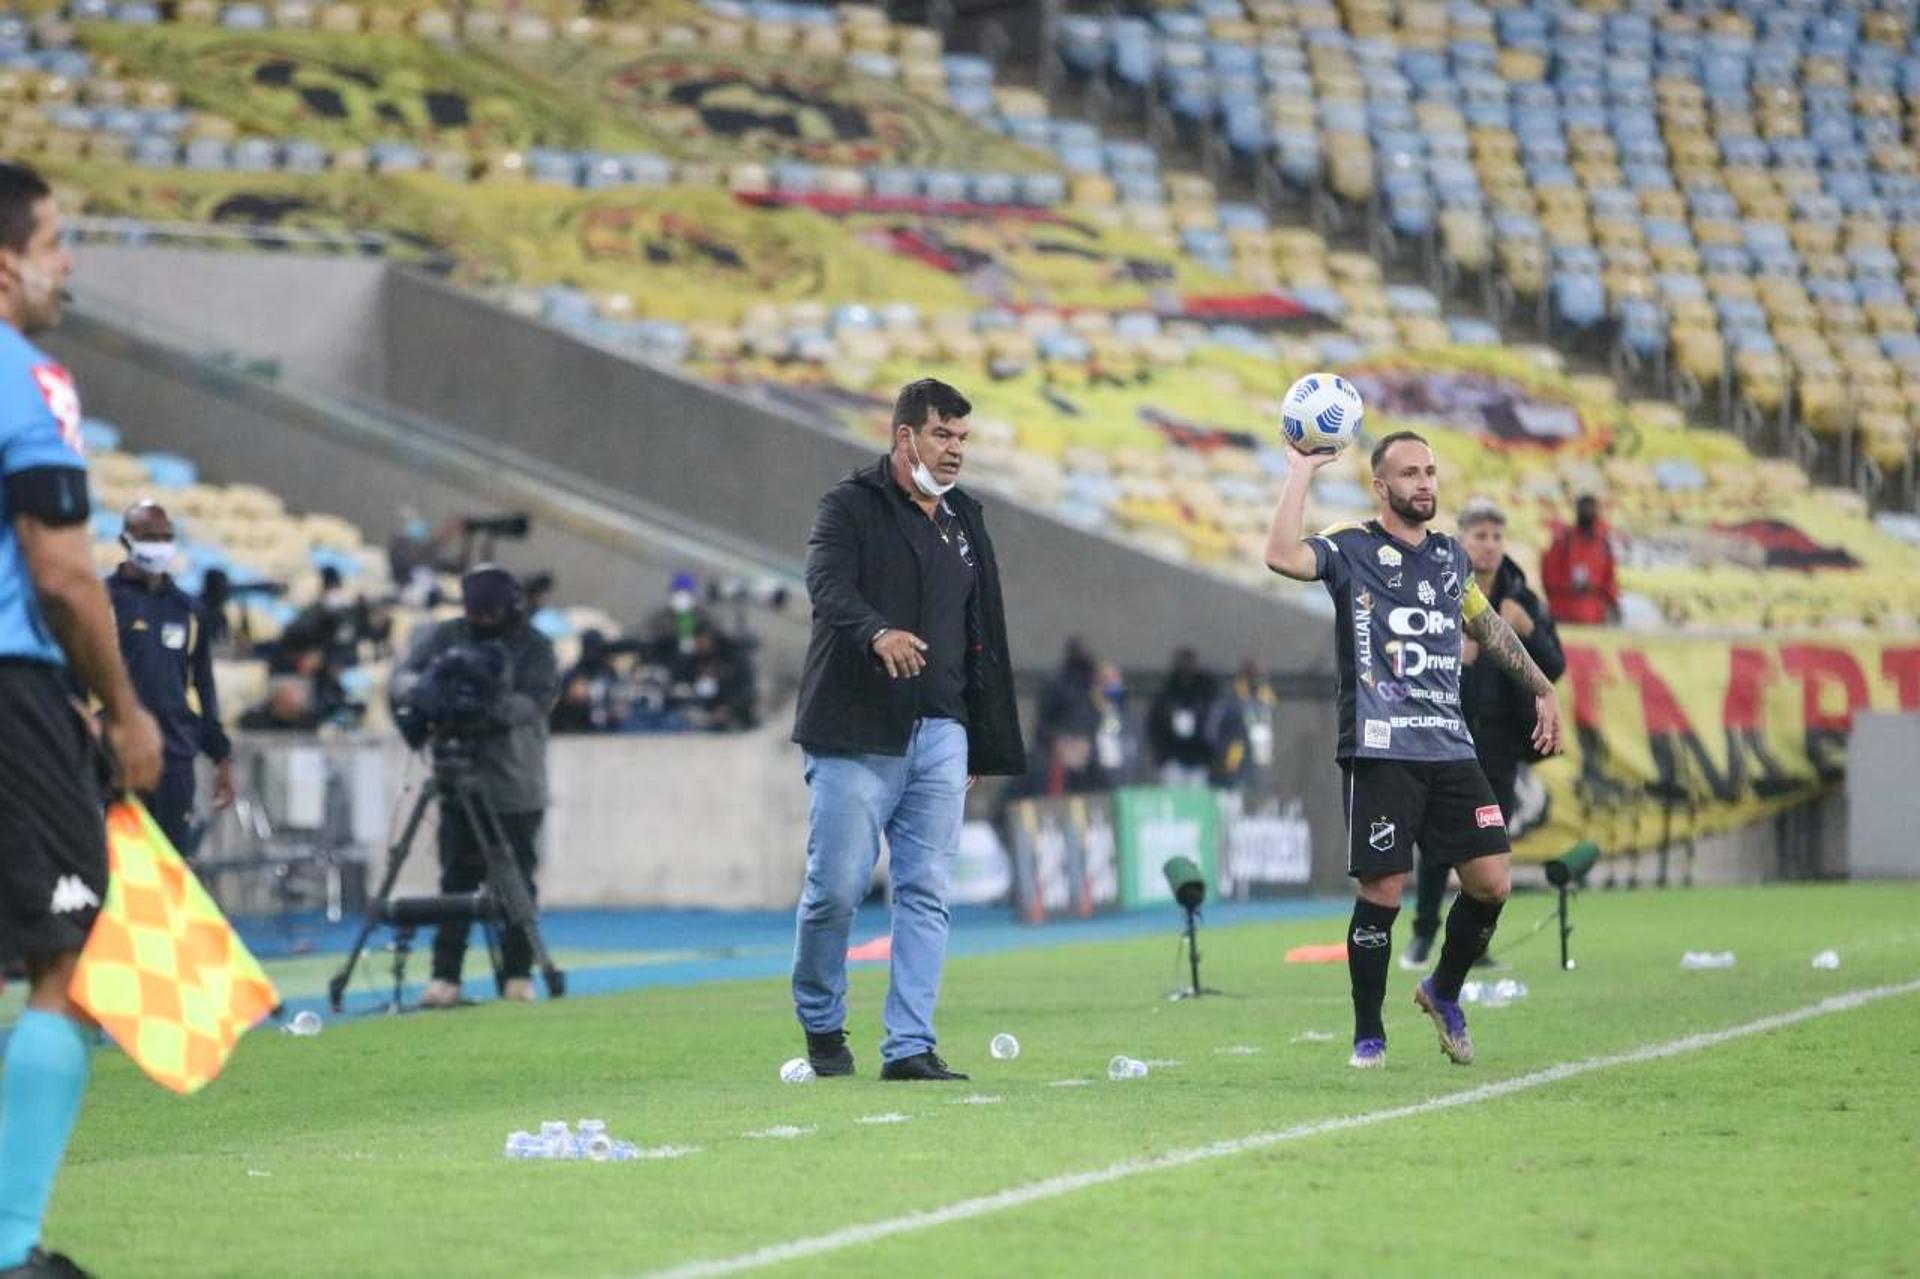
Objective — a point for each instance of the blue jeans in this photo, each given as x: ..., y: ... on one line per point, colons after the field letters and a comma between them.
x: 918, y: 800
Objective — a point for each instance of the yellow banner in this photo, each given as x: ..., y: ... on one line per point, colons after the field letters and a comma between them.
x: 1672, y: 735
x: 163, y: 971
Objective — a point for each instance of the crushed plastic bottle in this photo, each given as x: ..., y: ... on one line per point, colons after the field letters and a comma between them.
x: 305, y: 1023
x: 1500, y: 993
x: 1707, y: 959
x: 1472, y: 992
x: 1004, y: 1047
x: 556, y: 1141
x: 797, y: 1071
x: 1827, y: 959
x: 589, y: 1140
x: 1124, y: 1067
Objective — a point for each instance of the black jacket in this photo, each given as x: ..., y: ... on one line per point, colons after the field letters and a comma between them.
x: 167, y: 646
x: 863, y: 575
x: 1498, y: 711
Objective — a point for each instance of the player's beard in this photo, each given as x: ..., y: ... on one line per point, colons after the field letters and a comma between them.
x: 1407, y: 509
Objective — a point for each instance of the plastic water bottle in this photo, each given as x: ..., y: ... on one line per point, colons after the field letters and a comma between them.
x: 1827, y: 959
x: 591, y: 1139
x: 1472, y: 992
x: 1508, y: 989
x: 524, y: 1145
x: 1707, y: 959
x: 305, y: 1023
x: 556, y: 1140
x: 797, y: 1071
x: 1124, y: 1067
x: 1004, y: 1047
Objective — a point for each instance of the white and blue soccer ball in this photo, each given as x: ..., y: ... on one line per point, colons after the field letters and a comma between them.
x: 1321, y: 414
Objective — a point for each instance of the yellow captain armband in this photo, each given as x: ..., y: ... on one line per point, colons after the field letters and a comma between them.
x: 1472, y: 602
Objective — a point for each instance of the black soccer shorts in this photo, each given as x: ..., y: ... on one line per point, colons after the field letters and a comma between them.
x: 53, y: 836
x: 1444, y: 806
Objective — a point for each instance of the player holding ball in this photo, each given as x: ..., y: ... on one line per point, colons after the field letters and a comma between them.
x: 1403, y: 596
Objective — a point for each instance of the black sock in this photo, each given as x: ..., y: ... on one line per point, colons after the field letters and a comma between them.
x: 1369, y: 947
x: 1470, y: 926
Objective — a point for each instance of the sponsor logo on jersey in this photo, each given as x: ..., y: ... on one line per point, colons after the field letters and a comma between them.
x: 1388, y: 690
x: 1411, y: 660
x: 1488, y: 815
x: 1363, y: 637
x: 63, y: 401
x: 1389, y: 556
x: 1393, y: 583
x: 1380, y: 836
x: 1378, y: 735
x: 173, y: 635
x: 1442, y: 554
x: 1438, y: 696
x: 1420, y: 621
x: 1426, y: 721
x: 1425, y: 592
x: 70, y: 893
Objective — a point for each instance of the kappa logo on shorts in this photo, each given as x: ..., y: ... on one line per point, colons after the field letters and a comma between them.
x: 1380, y: 837
x: 1488, y: 815
x: 70, y: 893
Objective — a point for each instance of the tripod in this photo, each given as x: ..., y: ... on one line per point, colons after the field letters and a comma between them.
x: 1191, y: 938
x: 504, y: 902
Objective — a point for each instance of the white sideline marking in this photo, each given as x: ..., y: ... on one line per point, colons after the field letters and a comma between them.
x: 1067, y: 1183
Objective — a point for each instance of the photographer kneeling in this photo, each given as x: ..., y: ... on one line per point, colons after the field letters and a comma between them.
x: 479, y: 688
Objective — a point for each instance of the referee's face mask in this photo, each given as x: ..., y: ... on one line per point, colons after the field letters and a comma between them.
x: 491, y: 600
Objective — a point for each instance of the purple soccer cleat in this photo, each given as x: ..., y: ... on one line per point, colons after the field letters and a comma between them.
x: 1455, y: 1042
x: 1368, y: 1054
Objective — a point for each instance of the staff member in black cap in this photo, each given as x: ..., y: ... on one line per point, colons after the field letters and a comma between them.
x: 510, y: 765
x: 167, y: 646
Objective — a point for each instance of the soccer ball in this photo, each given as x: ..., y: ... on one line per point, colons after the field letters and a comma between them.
x: 1321, y: 414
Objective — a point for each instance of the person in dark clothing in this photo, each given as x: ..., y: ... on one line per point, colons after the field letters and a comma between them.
x: 1068, y: 726
x: 216, y: 591
x: 289, y: 707
x: 712, y: 686
x: 906, y: 696
x: 510, y: 766
x: 589, y: 691
x: 1177, y: 722
x: 168, y: 648
x: 1498, y: 712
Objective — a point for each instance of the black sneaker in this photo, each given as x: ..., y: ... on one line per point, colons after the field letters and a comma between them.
x: 1414, y: 957
x: 828, y: 1054
x: 926, y: 1065
x: 44, y: 1265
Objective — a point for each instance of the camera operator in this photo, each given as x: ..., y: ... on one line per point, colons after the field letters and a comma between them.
x: 500, y: 723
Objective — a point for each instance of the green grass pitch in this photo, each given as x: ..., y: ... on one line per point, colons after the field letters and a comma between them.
x: 374, y: 1149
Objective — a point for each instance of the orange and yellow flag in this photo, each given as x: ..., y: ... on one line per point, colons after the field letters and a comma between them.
x: 163, y: 971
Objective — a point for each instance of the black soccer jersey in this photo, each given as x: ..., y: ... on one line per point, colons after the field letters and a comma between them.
x: 1398, y: 610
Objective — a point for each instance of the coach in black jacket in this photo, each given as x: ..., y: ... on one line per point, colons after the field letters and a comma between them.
x: 907, y: 695
x: 1498, y: 712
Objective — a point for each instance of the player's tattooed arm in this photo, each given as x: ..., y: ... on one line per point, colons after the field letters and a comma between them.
x: 1499, y: 645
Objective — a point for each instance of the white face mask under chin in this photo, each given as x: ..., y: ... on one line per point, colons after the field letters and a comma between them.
x: 923, y: 478
x: 151, y: 557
